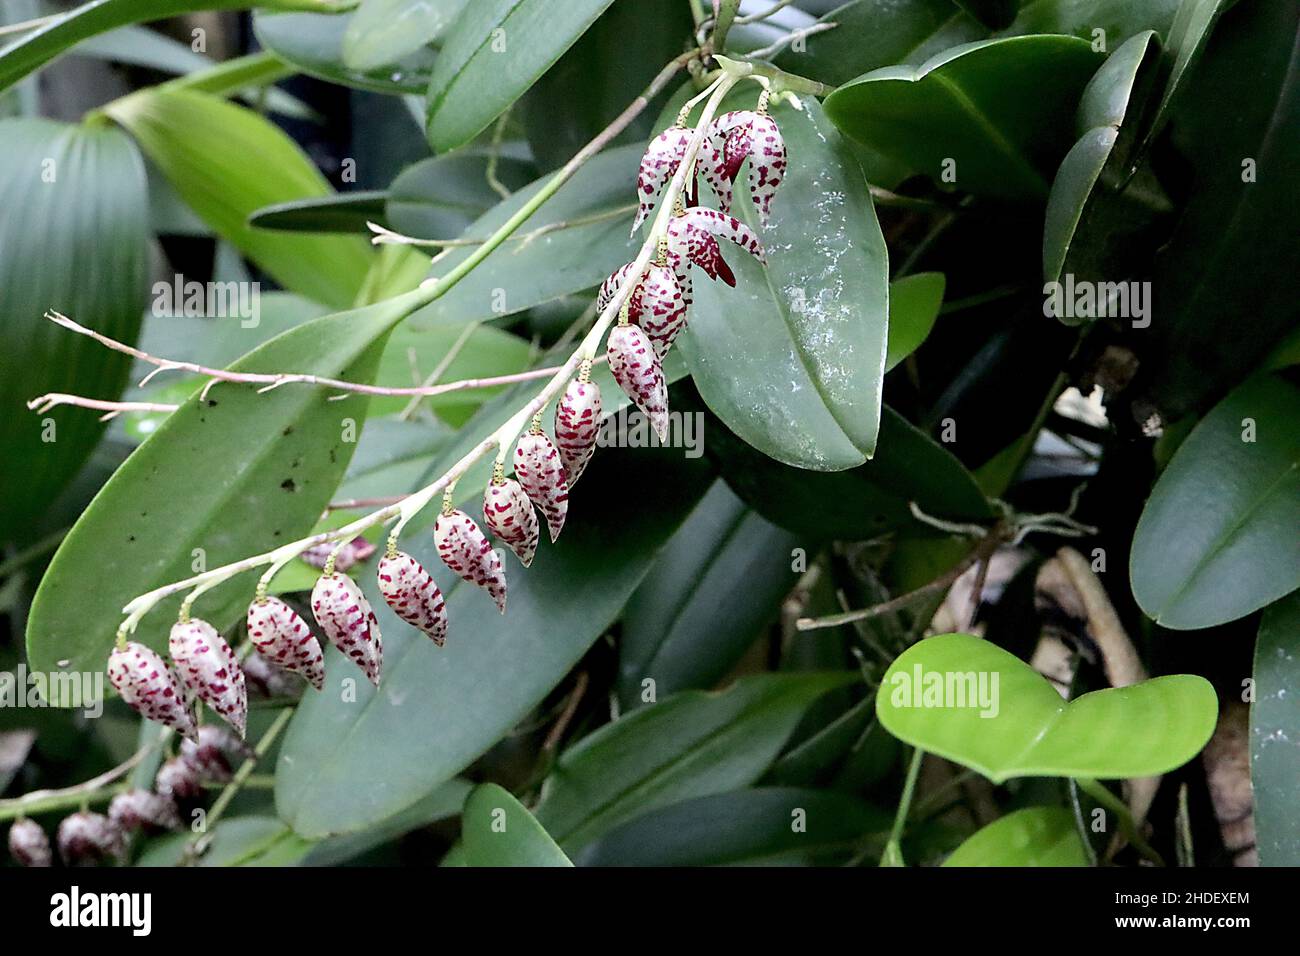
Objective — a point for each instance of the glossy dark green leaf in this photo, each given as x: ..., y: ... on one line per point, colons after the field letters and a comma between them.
x: 314, y: 44
x: 857, y: 504
x: 438, y: 198
x: 1216, y: 540
x: 769, y: 826
x: 1093, y: 200
x: 793, y: 357
x: 1034, y: 836
x: 531, y: 268
x: 719, y: 580
x: 1243, y: 174
x: 498, y: 830
x: 439, y: 708
x: 227, y: 162
x: 999, y: 110
x: 346, y: 212
x: 609, y: 66
x: 965, y: 699
x: 1108, y: 22
x: 870, y: 34
x: 73, y: 232
x: 181, y: 490
x: 692, y: 744
x: 914, y: 303
x: 33, y: 50
x: 495, y: 51
x: 384, y: 32
x: 1274, y: 719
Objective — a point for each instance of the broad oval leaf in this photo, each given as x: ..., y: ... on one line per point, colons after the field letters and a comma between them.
x: 437, y: 709
x: 1217, y: 538
x: 793, y: 357
x: 1034, y: 836
x: 719, y: 580
x: 991, y: 117
x: 498, y: 830
x: 234, y: 475
x: 384, y: 32
x: 73, y: 234
x: 65, y: 30
x: 692, y: 744
x: 1274, y: 718
x: 743, y: 828
x: 970, y: 701
x: 227, y: 162
x: 314, y: 44
x: 495, y: 51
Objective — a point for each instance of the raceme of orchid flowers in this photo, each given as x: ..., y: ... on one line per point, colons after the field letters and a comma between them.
x: 205, y: 668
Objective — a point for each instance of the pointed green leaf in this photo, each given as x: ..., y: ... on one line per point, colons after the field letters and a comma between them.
x: 345, y: 213
x: 498, y: 830
x: 914, y: 303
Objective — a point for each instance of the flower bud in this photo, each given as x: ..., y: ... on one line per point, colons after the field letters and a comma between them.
x: 178, y: 780
x: 509, y: 515
x: 658, y: 165
x: 281, y: 636
x: 657, y: 304
x: 208, y: 667
x: 142, y: 809
x: 150, y: 687
x: 214, y: 755
x: 540, y: 471
x: 28, y: 844
x: 410, y: 591
x: 636, y: 368
x: 466, y: 551
x: 358, y: 549
x: 86, y: 838
x: 577, y: 421
x: 345, y: 616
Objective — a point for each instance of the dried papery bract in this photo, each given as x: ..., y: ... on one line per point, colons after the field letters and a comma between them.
x: 466, y: 550
x: 541, y: 472
x: 577, y: 422
x: 346, y: 618
x: 208, y: 667
x: 149, y: 686
x: 509, y: 515
x: 636, y: 368
x: 731, y: 139
x: 281, y: 636
x: 692, y: 239
x: 28, y: 844
x: 143, y: 809
x: 410, y: 591
x: 86, y: 838
x: 658, y: 165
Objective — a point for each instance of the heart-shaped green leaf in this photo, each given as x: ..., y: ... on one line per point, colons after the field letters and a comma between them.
x: 968, y: 700
x: 991, y: 117
x: 223, y: 478
x: 498, y: 830
x: 914, y: 303
x: 767, y: 826
x: 65, y: 30
x: 1034, y: 836
x: 494, y: 51
x: 690, y: 745
x: 792, y: 358
x: 719, y: 580
x: 1094, y: 204
x: 1217, y: 538
x: 438, y: 709
x: 73, y: 233
x: 1274, y: 718
x: 314, y: 44
x: 227, y: 162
